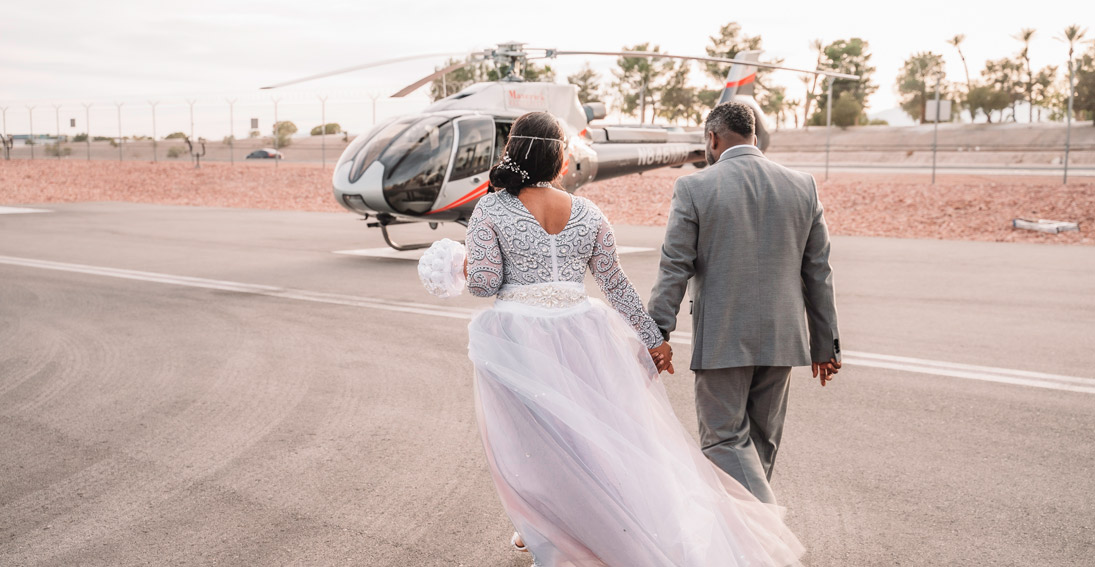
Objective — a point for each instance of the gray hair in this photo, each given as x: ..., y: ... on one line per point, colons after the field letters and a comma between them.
x: 731, y: 117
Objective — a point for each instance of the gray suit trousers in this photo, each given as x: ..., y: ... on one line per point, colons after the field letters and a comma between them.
x: 741, y: 413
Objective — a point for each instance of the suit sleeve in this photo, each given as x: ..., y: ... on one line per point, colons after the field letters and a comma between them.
x: 678, y: 262
x: 817, y: 288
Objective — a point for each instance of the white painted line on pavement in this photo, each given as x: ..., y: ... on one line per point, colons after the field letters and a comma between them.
x: 906, y: 364
x: 417, y: 254
x: 20, y: 210
x: 954, y: 369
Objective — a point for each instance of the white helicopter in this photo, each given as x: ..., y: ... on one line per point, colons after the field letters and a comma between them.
x: 433, y: 167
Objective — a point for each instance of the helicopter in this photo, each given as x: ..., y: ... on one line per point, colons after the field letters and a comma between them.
x: 433, y: 167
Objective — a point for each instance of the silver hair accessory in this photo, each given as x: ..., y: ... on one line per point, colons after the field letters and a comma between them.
x: 508, y: 163
x: 529, y: 149
x: 542, y: 184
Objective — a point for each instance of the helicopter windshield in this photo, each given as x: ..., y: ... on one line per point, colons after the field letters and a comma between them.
x: 415, y: 164
x: 473, y: 155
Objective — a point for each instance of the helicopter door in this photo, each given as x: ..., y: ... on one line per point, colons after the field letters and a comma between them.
x: 471, y: 163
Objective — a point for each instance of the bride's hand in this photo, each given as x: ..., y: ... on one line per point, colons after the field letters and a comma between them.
x: 662, y: 355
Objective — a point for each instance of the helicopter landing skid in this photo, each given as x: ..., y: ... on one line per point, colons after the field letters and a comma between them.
x: 383, y: 225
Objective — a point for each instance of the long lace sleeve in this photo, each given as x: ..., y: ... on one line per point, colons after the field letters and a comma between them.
x: 605, y: 267
x: 484, y: 255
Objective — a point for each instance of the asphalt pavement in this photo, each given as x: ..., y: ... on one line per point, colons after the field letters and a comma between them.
x: 196, y: 386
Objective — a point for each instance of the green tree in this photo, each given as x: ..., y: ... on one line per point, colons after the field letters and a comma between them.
x: 916, y: 82
x: 846, y: 110
x: 727, y: 43
x: 80, y: 137
x: 328, y: 128
x: 458, y: 80
x: 638, y: 79
x: 1005, y: 75
x: 987, y: 99
x: 1042, y: 93
x: 678, y: 99
x: 1025, y: 35
x: 774, y: 103
x: 705, y: 100
x: 850, y: 56
x: 283, y: 133
x: 1084, y: 97
x: 588, y: 82
x: 956, y: 41
x: 175, y: 136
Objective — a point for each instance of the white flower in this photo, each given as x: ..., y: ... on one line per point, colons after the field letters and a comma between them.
x: 441, y: 268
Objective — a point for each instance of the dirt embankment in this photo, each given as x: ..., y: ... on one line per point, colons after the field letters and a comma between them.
x: 958, y: 207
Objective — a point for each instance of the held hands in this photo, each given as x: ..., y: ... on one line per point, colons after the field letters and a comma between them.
x: 825, y: 370
x: 662, y: 355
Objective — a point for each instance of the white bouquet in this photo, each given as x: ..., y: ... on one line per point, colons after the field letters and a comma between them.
x: 441, y: 268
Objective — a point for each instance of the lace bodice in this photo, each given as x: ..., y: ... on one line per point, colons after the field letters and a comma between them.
x: 507, y: 246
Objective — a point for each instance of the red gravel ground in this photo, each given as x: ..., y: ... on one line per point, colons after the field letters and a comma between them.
x: 958, y: 207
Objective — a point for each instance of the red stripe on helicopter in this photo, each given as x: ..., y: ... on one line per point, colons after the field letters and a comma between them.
x: 477, y: 192
x: 743, y: 81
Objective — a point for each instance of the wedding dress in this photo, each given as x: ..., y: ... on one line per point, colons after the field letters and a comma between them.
x: 589, y: 460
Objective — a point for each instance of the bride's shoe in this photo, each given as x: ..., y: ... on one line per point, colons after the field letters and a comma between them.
x: 513, y: 540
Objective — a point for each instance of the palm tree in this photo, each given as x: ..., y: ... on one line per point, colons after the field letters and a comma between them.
x: 1073, y: 35
x: 1025, y: 36
x: 818, y: 46
x: 956, y: 41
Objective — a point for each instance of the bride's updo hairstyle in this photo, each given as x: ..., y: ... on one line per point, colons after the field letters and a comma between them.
x: 533, y: 153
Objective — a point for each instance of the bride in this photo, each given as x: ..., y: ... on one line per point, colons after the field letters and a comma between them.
x: 590, y: 462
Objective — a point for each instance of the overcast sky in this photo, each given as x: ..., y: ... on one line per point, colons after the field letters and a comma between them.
x: 67, y: 52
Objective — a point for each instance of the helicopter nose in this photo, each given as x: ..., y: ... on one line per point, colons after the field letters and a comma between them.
x: 366, y: 193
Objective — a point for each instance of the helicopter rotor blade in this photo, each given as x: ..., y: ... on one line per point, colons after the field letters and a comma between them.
x: 419, y: 83
x: 657, y: 55
x: 360, y: 67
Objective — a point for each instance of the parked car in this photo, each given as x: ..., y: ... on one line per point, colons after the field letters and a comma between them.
x: 265, y: 153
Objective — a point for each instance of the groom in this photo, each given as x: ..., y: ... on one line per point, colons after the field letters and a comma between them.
x: 750, y: 236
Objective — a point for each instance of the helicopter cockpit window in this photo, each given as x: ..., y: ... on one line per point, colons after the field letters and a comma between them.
x: 473, y: 155
x: 375, y: 142
x: 501, y: 134
x: 415, y: 164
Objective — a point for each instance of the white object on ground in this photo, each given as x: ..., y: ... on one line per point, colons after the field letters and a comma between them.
x: 1043, y: 225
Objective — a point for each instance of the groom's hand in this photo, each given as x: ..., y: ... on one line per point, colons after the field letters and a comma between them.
x: 825, y: 370
x: 662, y: 355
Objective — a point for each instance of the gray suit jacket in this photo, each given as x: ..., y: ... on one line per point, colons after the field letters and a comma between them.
x: 751, y: 237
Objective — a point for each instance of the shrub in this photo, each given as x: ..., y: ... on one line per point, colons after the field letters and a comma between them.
x: 331, y: 128
x: 55, y: 150
x: 176, y: 151
x: 175, y: 135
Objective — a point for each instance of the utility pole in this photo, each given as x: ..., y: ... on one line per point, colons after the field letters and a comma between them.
x: 374, y: 96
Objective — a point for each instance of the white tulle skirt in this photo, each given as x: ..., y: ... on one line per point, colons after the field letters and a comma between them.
x: 591, y: 464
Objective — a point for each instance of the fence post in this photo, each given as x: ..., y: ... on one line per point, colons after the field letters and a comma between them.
x: 276, y: 127
x: 1068, y: 116
x: 935, y: 131
x: 119, y: 105
x: 828, y: 125
x: 231, y: 131
x: 57, y: 117
x: 4, y: 113
x: 154, y: 158
x: 323, y: 131
x: 87, y: 125
x: 30, y: 113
